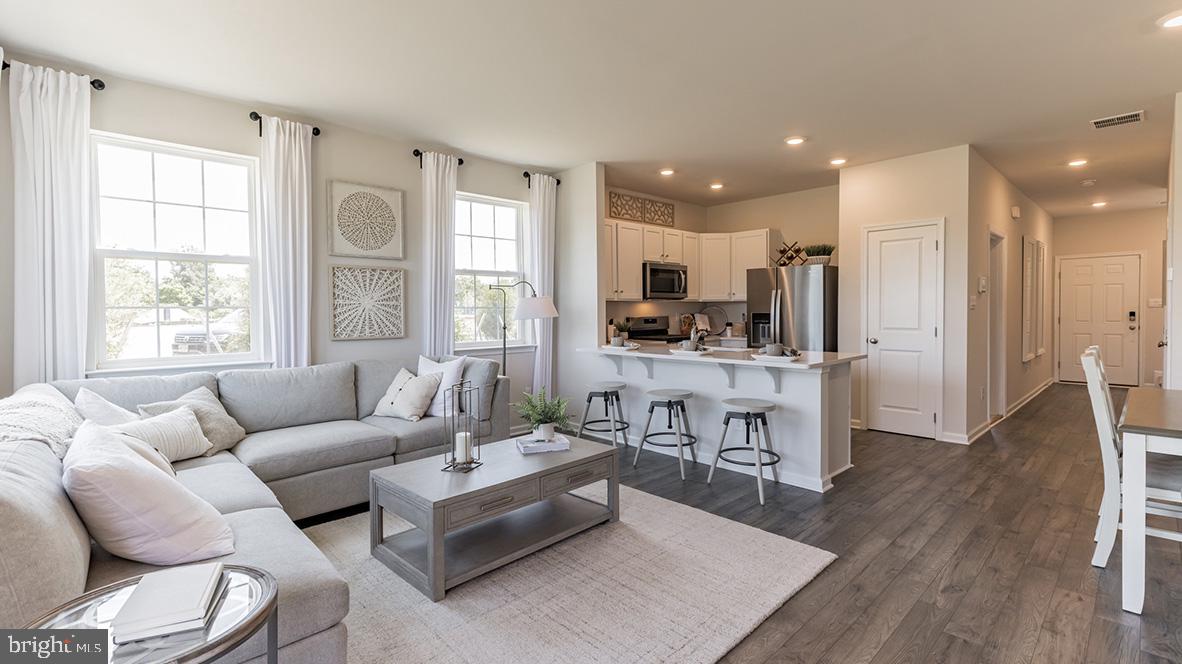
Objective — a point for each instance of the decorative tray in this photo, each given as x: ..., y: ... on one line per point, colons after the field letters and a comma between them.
x: 780, y: 359
x: 678, y: 351
x: 628, y: 346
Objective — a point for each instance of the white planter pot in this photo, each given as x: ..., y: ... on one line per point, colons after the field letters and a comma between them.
x: 544, y: 431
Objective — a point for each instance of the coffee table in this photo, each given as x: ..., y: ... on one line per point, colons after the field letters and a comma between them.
x: 467, y: 524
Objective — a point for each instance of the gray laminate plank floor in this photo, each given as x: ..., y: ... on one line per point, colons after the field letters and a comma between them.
x: 950, y: 553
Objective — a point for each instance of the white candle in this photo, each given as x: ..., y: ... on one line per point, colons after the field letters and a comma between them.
x: 463, y: 447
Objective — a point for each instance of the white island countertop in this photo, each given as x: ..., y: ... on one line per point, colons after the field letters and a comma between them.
x: 735, y: 356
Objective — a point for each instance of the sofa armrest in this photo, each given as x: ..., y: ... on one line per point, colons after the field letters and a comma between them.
x: 499, y: 417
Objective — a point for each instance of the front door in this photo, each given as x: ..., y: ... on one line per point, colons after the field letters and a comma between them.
x: 1099, y: 305
x: 902, y: 287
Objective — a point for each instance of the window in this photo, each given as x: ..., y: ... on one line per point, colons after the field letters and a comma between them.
x: 489, y: 250
x: 173, y: 254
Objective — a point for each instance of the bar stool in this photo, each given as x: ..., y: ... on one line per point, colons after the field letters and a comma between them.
x: 753, y: 413
x: 673, y: 401
x: 609, y: 391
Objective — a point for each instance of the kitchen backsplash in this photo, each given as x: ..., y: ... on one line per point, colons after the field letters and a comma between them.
x: 618, y: 310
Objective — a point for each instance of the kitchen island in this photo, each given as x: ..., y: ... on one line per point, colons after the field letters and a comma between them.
x: 810, y: 427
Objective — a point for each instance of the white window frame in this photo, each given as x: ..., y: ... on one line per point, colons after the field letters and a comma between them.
x: 524, y: 328
x: 97, y: 343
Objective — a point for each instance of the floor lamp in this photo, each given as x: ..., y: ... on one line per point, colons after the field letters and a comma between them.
x: 528, y: 308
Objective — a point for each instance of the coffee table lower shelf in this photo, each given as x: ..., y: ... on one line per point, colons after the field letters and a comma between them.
x: 485, y: 546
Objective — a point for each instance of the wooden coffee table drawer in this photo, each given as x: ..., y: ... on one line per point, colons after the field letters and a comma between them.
x: 573, y: 478
x: 491, y: 504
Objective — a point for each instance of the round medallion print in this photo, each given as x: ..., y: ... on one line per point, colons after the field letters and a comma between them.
x: 366, y: 221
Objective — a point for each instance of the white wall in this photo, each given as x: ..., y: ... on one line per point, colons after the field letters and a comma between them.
x: 991, y: 196
x: 580, y: 285
x: 1142, y: 231
x: 1174, y: 313
x: 807, y: 217
x: 339, y: 153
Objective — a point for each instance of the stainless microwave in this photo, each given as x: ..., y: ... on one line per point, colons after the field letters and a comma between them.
x: 664, y: 281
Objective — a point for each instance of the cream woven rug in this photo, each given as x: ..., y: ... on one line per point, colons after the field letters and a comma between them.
x: 667, y: 583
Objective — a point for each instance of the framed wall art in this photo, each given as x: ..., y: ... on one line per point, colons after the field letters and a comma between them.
x: 368, y: 302
x: 365, y: 221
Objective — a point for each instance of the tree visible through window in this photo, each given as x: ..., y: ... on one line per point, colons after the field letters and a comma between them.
x: 488, y: 250
x: 173, y: 248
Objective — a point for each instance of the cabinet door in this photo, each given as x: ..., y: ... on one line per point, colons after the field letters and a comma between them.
x: 629, y: 262
x: 748, y: 250
x: 691, y: 257
x: 654, y: 244
x: 608, y: 267
x: 715, y: 275
x: 674, y: 243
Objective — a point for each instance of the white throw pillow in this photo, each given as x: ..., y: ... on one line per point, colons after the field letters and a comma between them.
x: 409, y: 396
x: 451, y: 371
x: 221, y: 429
x: 176, y: 434
x: 134, y: 509
x: 93, y: 407
x: 140, y: 447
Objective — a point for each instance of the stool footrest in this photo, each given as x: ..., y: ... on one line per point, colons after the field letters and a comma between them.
x: 775, y: 458
x: 686, y: 439
x: 620, y: 426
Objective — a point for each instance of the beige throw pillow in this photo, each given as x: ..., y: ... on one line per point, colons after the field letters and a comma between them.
x: 91, y: 406
x: 176, y: 434
x: 134, y: 509
x: 409, y: 396
x: 221, y: 429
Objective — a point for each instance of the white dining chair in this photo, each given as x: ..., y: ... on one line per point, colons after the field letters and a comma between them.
x: 1163, y: 476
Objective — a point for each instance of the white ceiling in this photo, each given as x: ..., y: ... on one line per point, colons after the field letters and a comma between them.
x: 708, y: 88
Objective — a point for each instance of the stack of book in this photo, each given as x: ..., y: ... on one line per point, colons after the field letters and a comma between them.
x: 530, y: 445
x: 171, y: 601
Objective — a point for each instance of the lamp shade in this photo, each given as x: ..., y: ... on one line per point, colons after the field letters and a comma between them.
x: 539, y: 306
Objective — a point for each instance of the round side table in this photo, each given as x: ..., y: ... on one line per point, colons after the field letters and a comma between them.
x: 249, y: 602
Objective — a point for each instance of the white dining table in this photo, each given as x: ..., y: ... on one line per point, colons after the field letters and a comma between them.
x: 1151, y: 422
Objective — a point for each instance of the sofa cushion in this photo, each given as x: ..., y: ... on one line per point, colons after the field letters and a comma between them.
x: 229, y: 487
x: 39, y: 413
x: 217, y: 425
x: 373, y: 379
x: 279, y: 453
x: 44, y: 548
x: 312, y: 594
x: 482, y: 373
x: 130, y: 392
x: 200, y: 462
x: 411, y: 436
x: 266, y: 399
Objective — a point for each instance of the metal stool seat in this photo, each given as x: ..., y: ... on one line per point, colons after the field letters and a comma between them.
x: 673, y: 401
x: 753, y: 413
x: 613, y: 417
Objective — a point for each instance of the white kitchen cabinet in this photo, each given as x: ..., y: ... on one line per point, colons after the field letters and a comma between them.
x: 607, y: 267
x: 715, y: 272
x: 629, y: 261
x: 662, y: 246
x: 749, y: 250
x: 692, y: 258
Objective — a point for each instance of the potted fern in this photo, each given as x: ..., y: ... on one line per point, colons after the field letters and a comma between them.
x: 819, y: 254
x: 544, y: 415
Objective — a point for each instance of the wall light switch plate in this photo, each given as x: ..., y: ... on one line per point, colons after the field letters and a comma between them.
x: 973, y: 301
x: 1155, y: 303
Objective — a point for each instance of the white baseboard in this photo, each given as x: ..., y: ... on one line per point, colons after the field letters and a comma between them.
x: 855, y: 423
x: 1027, y: 399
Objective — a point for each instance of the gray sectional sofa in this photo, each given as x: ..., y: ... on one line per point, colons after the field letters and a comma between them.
x: 311, y: 441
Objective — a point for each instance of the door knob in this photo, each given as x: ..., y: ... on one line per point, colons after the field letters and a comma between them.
x: 873, y: 340
x: 1161, y: 344
x: 1132, y: 327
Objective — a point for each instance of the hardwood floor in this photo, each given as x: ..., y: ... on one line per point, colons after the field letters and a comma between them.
x: 950, y: 553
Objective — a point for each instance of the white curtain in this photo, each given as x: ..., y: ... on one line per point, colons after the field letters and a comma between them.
x: 439, y: 216
x: 543, y: 192
x: 286, y: 181
x: 51, y: 206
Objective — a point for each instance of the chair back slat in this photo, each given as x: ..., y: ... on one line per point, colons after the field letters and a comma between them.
x: 1103, y: 412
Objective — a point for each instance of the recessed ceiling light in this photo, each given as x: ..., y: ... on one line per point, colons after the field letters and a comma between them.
x: 1173, y: 20
x: 1087, y: 183
x: 837, y: 162
x: 1076, y: 163
x: 666, y: 171
x: 716, y: 185
x: 1099, y: 204
x: 794, y: 140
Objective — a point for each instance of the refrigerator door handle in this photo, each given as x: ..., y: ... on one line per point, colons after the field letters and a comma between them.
x: 775, y: 315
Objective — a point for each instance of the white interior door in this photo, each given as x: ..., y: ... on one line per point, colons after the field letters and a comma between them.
x: 1099, y: 305
x: 902, y: 287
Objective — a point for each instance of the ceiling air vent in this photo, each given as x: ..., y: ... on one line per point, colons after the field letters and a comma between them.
x: 1118, y: 120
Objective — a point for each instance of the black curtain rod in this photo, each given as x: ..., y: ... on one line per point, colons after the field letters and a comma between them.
x: 419, y: 153
x: 96, y: 83
x: 255, y: 117
x: 525, y: 175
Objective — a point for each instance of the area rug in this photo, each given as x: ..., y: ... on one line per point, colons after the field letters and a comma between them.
x: 667, y: 583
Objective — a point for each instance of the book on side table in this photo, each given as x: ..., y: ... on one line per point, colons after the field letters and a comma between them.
x: 528, y: 444
x: 170, y: 601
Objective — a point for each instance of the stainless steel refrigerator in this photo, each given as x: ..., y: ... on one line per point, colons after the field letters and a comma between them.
x: 795, y: 306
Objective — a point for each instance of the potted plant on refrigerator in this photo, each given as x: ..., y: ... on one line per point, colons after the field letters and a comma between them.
x: 543, y: 414
x: 819, y: 254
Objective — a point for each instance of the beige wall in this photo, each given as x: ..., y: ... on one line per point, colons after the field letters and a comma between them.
x: 1174, y: 296
x: 686, y: 216
x: 1142, y: 231
x: 991, y: 196
x: 339, y: 153
x: 806, y: 217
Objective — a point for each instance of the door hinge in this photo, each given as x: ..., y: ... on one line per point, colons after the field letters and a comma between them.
x: 937, y: 245
x: 933, y: 418
x: 936, y: 331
